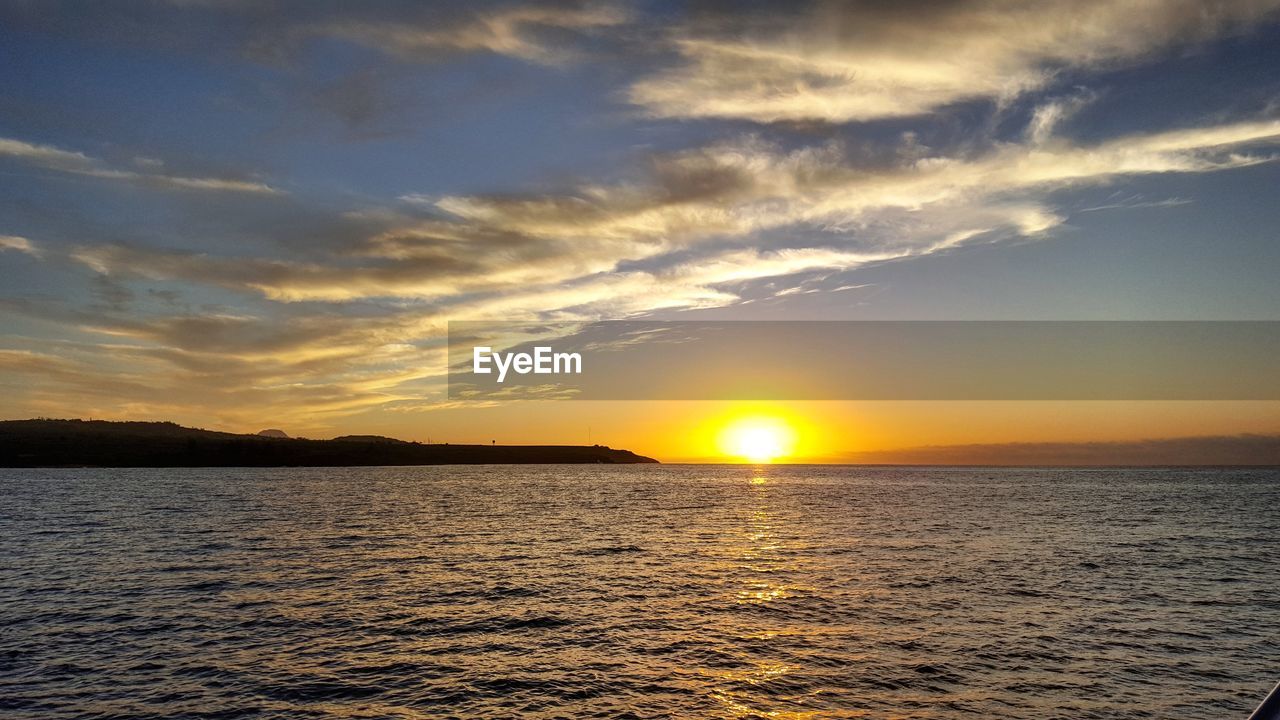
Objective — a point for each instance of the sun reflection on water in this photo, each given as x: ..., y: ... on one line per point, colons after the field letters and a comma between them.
x: 763, y: 560
x: 762, y: 553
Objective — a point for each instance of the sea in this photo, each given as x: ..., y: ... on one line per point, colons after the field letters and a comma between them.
x: 639, y: 591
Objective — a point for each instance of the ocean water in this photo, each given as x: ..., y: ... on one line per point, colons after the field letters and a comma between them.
x: 638, y: 592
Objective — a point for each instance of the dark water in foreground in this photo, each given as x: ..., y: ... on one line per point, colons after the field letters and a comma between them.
x: 705, y: 592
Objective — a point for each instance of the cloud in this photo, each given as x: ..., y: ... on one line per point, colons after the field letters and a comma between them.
x: 297, y: 367
x: 1046, y: 117
x: 528, y: 32
x: 696, y: 218
x: 1208, y: 450
x: 843, y: 61
x: 131, y: 382
x: 424, y: 276
x: 330, y: 313
x: 53, y: 158
x: 343, y: 322
x: 1136, y: 202
x: 20, y: 244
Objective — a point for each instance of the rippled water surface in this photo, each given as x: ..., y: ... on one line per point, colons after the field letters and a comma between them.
x: 635, y: 591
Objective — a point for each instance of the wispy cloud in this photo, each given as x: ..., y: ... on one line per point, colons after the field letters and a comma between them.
x: 20, y: 244
x: 690, y: 218
x: 69, y: 161
x: 1046, y: 117
x: 236, y: 368
x: 528, y: 31
x: 843, y: 62
x: 328, y: 313
x: 1206, y: 450
x: 1135, y: 203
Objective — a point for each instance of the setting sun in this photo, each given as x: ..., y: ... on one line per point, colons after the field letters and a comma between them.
x: 757, y: 439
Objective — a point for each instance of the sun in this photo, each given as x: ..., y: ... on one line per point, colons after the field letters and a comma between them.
x: 757, y: 439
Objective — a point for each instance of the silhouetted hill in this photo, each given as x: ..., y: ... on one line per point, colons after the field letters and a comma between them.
x: 99, y: 443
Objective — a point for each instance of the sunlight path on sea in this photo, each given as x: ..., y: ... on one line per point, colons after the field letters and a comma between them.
x: 644, y: 592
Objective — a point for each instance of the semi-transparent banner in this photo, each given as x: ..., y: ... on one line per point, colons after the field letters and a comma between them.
x: 866, y: 360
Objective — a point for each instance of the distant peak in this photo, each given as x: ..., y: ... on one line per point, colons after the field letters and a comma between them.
x: 273, y: 433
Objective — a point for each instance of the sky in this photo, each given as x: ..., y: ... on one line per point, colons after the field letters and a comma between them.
x: 239, y: 215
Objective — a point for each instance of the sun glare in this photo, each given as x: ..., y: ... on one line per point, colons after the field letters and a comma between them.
x: 757, y: 439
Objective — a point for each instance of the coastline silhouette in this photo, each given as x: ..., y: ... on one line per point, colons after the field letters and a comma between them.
x: 100, y: 443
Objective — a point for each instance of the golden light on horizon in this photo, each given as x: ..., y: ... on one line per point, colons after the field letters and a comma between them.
x: 757, y: 439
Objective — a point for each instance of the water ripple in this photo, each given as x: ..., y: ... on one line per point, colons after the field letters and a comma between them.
x: 637, y: 592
